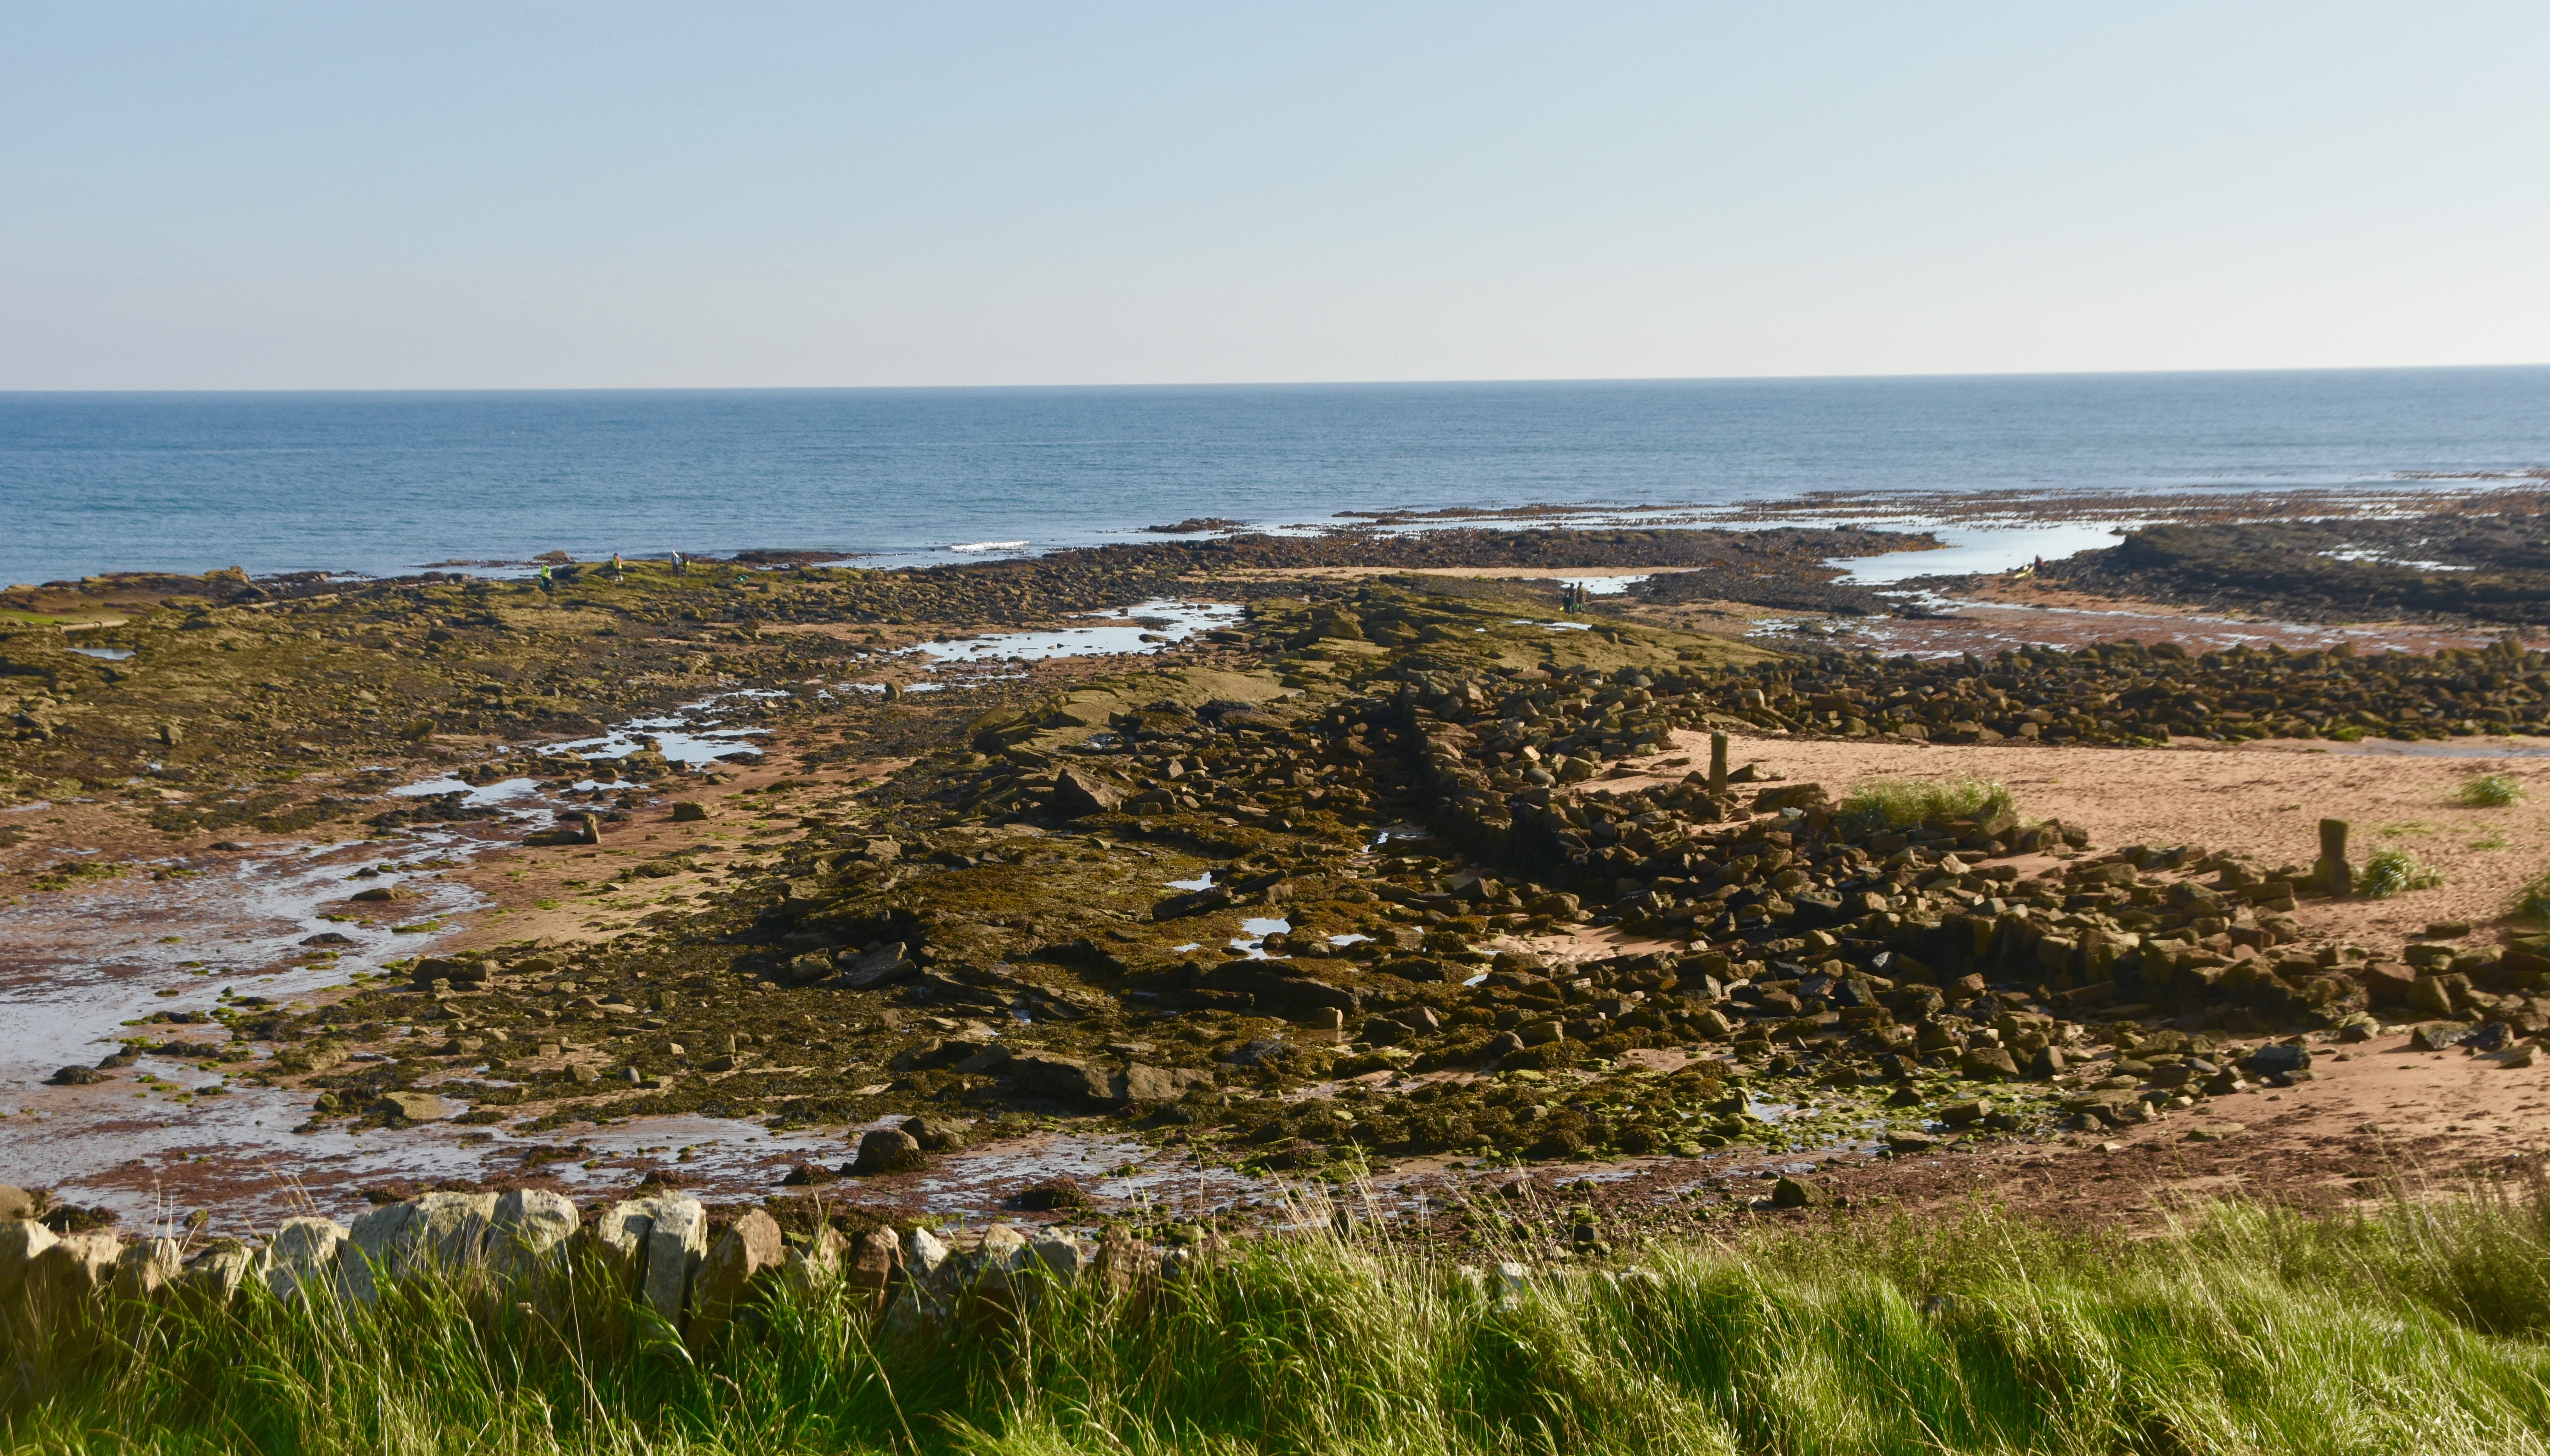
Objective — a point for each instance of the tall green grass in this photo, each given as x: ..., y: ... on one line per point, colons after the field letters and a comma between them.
x: 2419, y: 1330
x: 1874, y: 805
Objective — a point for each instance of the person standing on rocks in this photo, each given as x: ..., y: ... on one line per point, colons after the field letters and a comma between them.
x: 617, y: 568
x: 680, y: 567
x: 545, y: 579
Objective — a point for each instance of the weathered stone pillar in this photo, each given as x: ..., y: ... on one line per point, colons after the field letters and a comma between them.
x: 1717, y: 763
x: 2333, y: 874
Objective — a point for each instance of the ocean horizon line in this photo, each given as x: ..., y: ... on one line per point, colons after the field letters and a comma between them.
x: 1162, y: 386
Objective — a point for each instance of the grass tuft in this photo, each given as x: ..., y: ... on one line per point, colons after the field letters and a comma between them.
x: 2490, y: 791
x: 2394, y: 871
x: 1876, y: 806
x: 2532, y: 902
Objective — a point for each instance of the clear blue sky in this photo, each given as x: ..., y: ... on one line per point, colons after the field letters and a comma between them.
x: 480, y: 195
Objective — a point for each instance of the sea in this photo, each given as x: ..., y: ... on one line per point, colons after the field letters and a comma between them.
x: 381, y: 484
x: 388, y: 483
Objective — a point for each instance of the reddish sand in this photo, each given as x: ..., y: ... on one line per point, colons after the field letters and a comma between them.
x: 2261, y: 798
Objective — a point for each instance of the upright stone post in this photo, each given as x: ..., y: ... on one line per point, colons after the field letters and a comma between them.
x: 2333, y: 874
x: 1717, y: 763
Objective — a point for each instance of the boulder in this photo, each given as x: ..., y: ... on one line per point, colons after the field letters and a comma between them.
x: 655, y: 1245
x: 16, y: 1203
x: 303, y: 1260
x: 2385, y: 983
x: 990, y: 1059
x: 1960, y: 1113
x: 1797, y: 1192
x: 620, y: 1236
x: 2437, y: 1036
x: 66, y: 1279
x: 2431, y: 994
x: 937, y: 1135
x: 805, y: 970
x: 886, y: 1150
x: 1273, y: 982
x: 453, y: 968
x: 1138, y: 1083
x: 1789, y: 796
x: 882, y: 966
x: 1062, y: 1077
x: 1058, y: 1193
x: 440, y: 1231
x: 924, y: 1255
x: 146, y: 1267
x: 818, y: 1261
x: 212, y: 1277
x: 585, y: 829
x: 412, y: 1107
x: 22, y: 1242
x: 874, y: 1258
x: 1987, y: 1061
x: 1063, y: 1258
x: 1003, y: 1253
x: 2267, y: 1060
x: 1192, y: 902
x: 751, y: 1250
x: 527, y: 1232
x: 689, y: 811
x: 675, y: 1243
x: 1078, y: 792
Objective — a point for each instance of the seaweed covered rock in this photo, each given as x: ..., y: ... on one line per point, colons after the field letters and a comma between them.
x: 885, y: 1150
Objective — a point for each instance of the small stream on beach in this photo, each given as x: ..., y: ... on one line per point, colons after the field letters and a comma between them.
x: 273, y: 925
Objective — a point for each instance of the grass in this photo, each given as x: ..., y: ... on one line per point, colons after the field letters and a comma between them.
x: 2532, y: 902
x: 70, y: 872
x: 1874, y: 805
x: 2418, y: 1329
x: 2490, y: 791
x: 2394, y: 871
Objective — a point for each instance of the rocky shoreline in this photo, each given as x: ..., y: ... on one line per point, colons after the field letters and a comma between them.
x: 1393, y: 870
x: 2464, y: 570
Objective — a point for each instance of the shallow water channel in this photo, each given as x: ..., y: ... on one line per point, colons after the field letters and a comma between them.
x: 76, y: 966
x: 237, y: 929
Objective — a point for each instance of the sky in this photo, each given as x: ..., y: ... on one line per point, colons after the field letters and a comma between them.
x: 464, y: 195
